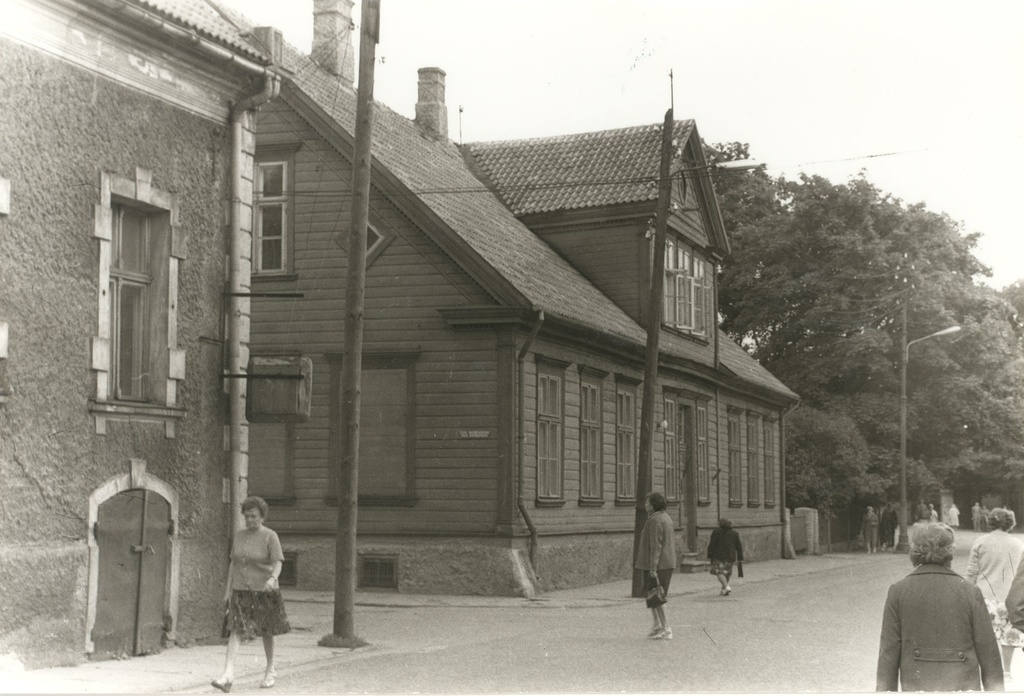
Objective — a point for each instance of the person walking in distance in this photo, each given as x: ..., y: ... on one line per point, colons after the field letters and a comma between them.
x: 656, y: 556
x: 253, y: 602
x: 724, y: 549
x: 992, y: 565
x: 869, y: 528
x: 954, y: 516
x: 976, y: 516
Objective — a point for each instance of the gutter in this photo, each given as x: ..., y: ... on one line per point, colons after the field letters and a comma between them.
x: 239, y: 301
x: 521, y: 416
x: 186, y: 36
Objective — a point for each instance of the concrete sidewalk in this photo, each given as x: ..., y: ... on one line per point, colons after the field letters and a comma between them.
x: 190, y: 670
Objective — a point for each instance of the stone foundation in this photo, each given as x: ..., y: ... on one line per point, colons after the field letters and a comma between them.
x: 500, y: 566
x: 43, y: 621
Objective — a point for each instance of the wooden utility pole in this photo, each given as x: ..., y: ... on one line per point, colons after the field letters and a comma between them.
x: 645, y: 466
x: 355, y: 291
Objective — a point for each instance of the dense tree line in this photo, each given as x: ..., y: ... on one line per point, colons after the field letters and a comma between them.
x: 815, y: 289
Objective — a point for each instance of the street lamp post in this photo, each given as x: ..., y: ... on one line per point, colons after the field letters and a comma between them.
x: 902, y: 546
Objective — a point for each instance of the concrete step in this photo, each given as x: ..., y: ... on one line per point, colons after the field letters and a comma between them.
x: 691, y: 563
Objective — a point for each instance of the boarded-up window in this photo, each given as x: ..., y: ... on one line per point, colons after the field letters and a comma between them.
x: 384, y: 428
x: 387, y: 452
x: 270, y: 460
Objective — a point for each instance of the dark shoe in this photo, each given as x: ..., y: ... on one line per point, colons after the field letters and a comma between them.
x: 224, y: 686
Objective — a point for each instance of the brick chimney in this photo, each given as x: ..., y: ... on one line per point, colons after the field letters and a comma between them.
x: 270, y: 41
x: 431, y: 112
x: 332, y: 38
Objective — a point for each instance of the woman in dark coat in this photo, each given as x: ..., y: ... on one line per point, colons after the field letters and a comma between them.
x: 724, y: 549
x: 936, y: 633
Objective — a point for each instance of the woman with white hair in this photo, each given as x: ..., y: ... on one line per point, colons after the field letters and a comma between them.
x: 991, y: 566
x: 936, y: 634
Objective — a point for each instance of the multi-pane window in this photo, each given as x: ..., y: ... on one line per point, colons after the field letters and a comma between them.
x: 753, y: 459
x: 769, y: 462
x: 673, y: 450
x: 130, y: 281
x: 549, y: 435
x: 701, y: 442
x: 735, y: 460
x: 688, y: 289
x: 271, y: 234
x: 590, y: 440
x: 625, y: 443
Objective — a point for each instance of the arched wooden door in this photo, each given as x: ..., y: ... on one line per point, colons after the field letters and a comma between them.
x: 133, y: 535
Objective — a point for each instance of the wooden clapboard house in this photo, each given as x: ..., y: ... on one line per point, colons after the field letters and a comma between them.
x: 503, y: 349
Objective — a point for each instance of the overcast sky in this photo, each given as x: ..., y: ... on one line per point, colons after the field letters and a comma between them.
x: 926, y: 97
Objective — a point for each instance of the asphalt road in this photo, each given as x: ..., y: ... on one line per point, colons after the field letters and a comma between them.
x: 815, y: 632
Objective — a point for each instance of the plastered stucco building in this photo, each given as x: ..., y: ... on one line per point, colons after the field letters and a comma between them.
x: 125, y: 131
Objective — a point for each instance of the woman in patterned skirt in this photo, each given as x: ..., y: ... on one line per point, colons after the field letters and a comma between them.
x: 724, y: 549
x: 252, y: 599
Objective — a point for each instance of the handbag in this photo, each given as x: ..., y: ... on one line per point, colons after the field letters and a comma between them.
x: 656, y: 595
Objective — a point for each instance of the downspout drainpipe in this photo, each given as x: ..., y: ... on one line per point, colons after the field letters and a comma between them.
x: 239, y: 279
x: 718, y: 456
x: 520, y: 502
x: 787, y: 536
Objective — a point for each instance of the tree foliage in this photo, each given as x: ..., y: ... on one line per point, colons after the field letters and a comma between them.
x: 816, y: 287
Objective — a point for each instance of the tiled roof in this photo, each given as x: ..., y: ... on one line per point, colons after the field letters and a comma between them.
x: 204, y: 19
x: 582, y: 170
x: 438, y: 174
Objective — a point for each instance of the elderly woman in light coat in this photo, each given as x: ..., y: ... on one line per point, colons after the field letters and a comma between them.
x: 992, y: 564
x: 936, y: 634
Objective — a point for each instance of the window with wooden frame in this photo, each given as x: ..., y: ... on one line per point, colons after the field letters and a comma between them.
x: 769, y: 462
x: 134, y: 353
x: 591, y: 439
x: 701, y: 454
x: 735, y: 460
x: 272, y: 233
x: 550, y: 430
x: 753, y: 459
x: 271, y: 453
x: 674, y: 449
x: 625, y: 442
x: 689, y: 287
x: 131, y: 279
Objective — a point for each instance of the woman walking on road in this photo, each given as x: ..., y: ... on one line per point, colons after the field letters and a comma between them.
x: 935, y: 630
x: 724, y: 549
x: 253, y: 602
x: 992, y: 564
x: 656, y: 555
